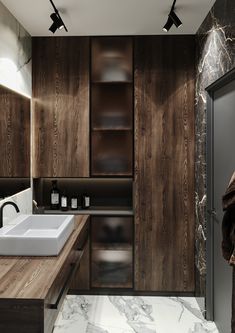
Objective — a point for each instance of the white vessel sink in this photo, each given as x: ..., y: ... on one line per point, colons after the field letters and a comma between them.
x: 36, y: 235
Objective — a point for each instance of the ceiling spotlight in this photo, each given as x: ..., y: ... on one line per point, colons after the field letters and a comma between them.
x: 57, y: 23
x: 168, y: 24
x: 172, y: 19
x: 57, y: 20
x: 175, y: 19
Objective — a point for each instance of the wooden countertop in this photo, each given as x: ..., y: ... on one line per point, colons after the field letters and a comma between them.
x: 32, y: 277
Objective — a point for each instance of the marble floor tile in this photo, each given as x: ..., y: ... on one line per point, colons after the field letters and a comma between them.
x: 131, y: 314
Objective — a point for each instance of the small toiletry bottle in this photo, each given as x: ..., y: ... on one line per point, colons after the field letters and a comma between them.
x: 74, y: 203
x: 85, y: 201
x: 55, y: 196
x: 64, y: 202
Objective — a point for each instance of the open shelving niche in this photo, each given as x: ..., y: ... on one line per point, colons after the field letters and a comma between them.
x: 107, y: 195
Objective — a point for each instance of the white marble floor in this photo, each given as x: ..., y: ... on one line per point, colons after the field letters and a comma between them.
x: 130, y: 314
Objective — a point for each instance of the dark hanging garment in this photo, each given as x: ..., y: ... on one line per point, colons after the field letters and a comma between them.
x: 228, y: 232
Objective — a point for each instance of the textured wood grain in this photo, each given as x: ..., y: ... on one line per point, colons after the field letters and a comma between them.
x: 61, y: 106
x: 33, y: 277
x: 14, y: 134
x: 21, y: 316
x: 164, y: 163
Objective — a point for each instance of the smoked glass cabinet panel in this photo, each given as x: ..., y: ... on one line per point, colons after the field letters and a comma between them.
x: 112, y: 59
x: 112, y: 106
x: 111, y: 153
x: 112, y: 252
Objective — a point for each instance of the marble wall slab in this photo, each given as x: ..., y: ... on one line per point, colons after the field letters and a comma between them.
x: 215, y: 41
x: 24, y: 202
x: 15, y: 54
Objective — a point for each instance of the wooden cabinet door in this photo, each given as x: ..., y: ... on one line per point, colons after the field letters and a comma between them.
x: 164, y: 163
x: 61, y: 106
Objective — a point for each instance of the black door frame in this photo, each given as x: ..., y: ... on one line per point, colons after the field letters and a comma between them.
x: 211, y: 89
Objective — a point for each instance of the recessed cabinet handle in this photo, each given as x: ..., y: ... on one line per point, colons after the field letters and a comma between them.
x: 81, y: 246
x: 73, y: 268
x: 56, y: 304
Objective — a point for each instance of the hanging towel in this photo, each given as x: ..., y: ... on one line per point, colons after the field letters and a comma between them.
x: 228, y: 224
x: 229, y: 196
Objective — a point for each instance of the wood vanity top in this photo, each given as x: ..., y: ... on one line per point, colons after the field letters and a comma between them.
x: 32, y: 277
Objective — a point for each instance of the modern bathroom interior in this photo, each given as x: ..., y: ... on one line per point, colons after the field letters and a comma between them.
x: 117, y: 183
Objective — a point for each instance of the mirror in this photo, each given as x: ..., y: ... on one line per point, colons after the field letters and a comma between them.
x: 14, y: 142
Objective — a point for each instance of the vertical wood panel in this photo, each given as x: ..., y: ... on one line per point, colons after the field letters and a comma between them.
x: 61, y: 106
x: 164, y: 163
x: 14, y: 134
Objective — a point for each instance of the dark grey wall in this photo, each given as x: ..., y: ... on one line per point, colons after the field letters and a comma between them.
x: 215, y: 48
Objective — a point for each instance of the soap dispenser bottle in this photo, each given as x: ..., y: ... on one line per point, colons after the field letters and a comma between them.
x: 64, y: 202
x: 74, y: 203
x: 55, y: 195
x: 85, y: 201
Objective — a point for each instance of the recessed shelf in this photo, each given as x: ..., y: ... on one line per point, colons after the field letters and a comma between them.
x: 98, y: 211
x: 99, y: 284
x: 111, y: 174
x: 112, y: 246
x: 111, y: 129
x: 102, y: 82
x: 107, y: 195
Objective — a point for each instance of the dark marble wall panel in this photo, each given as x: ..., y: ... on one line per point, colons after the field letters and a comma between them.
x: 215, y: 56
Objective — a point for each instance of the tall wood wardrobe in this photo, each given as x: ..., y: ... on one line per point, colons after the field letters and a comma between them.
x: 162, y: 156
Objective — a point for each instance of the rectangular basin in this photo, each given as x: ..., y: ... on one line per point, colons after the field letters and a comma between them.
x: 36, y: 235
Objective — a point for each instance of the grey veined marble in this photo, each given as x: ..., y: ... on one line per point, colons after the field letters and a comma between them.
x: 129, y: 314
x: 137, y: 312
x: 15, y: 54
x: 215, y: 56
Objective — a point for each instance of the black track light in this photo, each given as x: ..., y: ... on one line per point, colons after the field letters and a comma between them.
x: 172, y: 19
x: 168, y: 24
x: 175, y: 19
x: 57, y: 23
x: 57, y: 20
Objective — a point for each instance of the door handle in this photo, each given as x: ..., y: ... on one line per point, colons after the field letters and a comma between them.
x: 212, y: 212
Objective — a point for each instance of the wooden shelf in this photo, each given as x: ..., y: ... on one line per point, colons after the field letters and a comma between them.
x: 112, y: 246
x: 112, y: 82
x: 97, y: 129
x: 127, y: 285
x: 102, y: 211
x: 111, y: 174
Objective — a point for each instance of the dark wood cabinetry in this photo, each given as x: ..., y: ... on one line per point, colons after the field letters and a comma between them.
x: 40, y: 285
x: 61, y: 106
x: 149, y: 113
x: 14, y: 134
x: 164, y: 163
